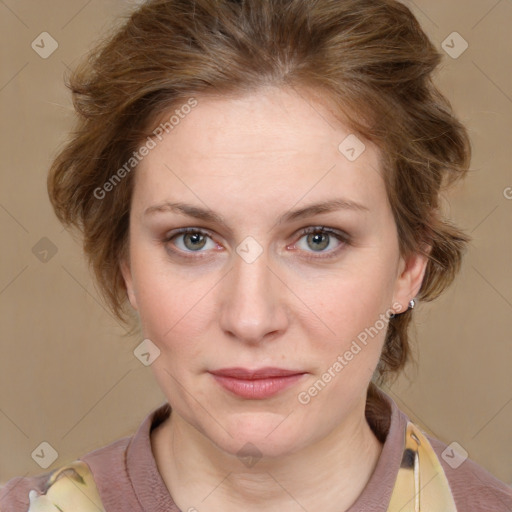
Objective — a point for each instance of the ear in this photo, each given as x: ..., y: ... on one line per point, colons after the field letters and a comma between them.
x: 128, y: 281
x: 411, y: 271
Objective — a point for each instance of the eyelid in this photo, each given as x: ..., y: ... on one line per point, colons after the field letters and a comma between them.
x: 341, y: 236
x: 183, y: 231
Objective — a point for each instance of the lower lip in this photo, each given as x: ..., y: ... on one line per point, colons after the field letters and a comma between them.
x: 257, y: 389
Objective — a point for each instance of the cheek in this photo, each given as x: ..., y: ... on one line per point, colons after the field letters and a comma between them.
x: 177, y: 308
x: 347, y: 357
x: 350, y: 319
x: 173, y: 309
x: 349, y: 302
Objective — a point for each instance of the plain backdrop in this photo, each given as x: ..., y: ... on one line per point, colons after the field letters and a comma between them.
x: 69, y: 377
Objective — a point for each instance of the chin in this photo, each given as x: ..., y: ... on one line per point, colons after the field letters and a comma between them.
x: 257, y: 435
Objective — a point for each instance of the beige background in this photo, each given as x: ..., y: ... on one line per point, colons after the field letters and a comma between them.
x: 69, y: 377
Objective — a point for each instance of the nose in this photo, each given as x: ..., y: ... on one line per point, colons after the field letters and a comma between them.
x: 253, y: 305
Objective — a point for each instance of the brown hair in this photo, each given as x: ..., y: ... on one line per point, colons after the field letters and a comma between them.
x: 370, y: 58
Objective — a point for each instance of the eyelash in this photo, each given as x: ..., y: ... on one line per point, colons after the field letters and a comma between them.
x: 340, y: 236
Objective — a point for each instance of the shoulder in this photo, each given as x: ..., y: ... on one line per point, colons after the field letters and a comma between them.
x: 69, y: 488
x: 472, y: 486
x: 103, y: 473
x: 14, y: 495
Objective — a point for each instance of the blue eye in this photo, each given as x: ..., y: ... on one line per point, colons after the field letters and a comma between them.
x: 319, y: 238
x: 194, y: 240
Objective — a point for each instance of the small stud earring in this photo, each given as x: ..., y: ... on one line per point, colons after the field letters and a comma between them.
x: 412, y: 303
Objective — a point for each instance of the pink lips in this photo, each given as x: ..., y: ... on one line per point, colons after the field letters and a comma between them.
x: 256, y: 384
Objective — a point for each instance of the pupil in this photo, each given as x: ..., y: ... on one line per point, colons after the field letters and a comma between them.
x: 194, y: 241
x: 317, y: 239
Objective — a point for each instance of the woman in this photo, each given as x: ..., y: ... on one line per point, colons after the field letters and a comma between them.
x: 261, y: 181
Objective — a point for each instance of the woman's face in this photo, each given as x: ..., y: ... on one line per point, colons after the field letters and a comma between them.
x: 246, y: 287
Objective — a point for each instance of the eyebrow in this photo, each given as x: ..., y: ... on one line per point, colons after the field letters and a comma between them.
x: 208, y: 215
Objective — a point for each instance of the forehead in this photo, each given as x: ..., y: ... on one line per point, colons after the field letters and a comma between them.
x: 270, y: 143
x: 283, y: 118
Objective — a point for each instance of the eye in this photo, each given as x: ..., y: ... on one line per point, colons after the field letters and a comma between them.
x: 189, y: 240
x: 316, y: 240
x: 320, y: 238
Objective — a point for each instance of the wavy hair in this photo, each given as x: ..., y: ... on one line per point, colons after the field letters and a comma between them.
x: 369, y: 59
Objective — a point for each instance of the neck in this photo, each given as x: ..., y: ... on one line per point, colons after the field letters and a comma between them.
x: 328, y: 475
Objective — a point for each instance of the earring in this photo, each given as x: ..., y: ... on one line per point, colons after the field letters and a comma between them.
x: 412, y: 303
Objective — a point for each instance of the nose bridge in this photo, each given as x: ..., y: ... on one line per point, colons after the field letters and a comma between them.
x: 253, y: 305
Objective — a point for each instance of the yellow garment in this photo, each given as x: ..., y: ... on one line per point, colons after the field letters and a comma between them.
x: 421, y: 484
x: 68, y: 489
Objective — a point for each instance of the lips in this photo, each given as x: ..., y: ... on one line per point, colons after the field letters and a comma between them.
x: 256, y: 384
x: 261, y: 373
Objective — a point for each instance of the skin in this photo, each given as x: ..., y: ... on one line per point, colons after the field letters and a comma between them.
x: 251, y: 159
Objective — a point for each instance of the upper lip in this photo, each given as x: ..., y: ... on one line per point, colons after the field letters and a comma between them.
x: 259, y: 373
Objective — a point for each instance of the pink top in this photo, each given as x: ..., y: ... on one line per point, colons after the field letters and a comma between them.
x: 127, y: 476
